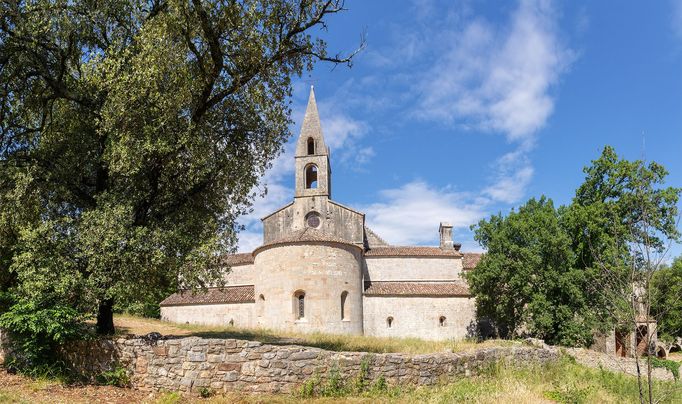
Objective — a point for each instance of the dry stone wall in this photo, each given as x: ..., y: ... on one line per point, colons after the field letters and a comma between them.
x: 236, y: 365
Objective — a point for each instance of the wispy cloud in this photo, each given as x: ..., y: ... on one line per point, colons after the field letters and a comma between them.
x: 410, y: 214
x: 498, y: 79
x: 513, y: 174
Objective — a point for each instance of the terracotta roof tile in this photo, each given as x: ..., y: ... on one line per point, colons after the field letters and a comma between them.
x: 238, y: 259
x: 228, y: 294
x: 470, y: 260
x: 414, y: 251
x: 407, y: 288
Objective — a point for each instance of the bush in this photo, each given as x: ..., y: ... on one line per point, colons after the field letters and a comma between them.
x: 116, y: 377
x: 35, y: 335
x: 672, y: 366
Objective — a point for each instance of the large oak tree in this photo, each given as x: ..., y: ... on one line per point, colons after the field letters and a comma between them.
x: 132, y: 134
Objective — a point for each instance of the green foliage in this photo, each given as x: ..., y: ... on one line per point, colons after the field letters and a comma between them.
x: 361, y: 379
x: 115, y: 377
x: 308, y: 389
x: 169, y: 398
x: 336, y: 386
x: 36, y: 332
x: 672, y: 366
x: 131, y: 138
x: 526, y: 278
x: 205, y: 392
x: 666, y: 286
x: 558, y: 274
x: 570, y: 394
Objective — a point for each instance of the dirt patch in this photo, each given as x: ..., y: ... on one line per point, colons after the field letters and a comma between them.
x: 142, y: 326
x: 21, y: 389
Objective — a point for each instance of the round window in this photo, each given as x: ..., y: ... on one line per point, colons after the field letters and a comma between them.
x: 313, y: 220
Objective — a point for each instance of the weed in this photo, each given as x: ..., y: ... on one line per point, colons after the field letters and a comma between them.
x: 169, y: 398
x: 205, y: 392
x: 115, y: 377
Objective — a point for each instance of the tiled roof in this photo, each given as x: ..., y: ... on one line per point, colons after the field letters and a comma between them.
x: 406, y: 288
x: 228, y: 294
x: 307, y: 234
x: 238, y: 259
x: 470, y: 260
x: 413, y: 251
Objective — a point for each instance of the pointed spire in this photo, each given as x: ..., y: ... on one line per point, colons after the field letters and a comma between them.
x: 311, y: 128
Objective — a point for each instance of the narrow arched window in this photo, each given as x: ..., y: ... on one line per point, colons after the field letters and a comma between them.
x: 231, y: 323
x: 389, y: 322
x: 311, y: 176
x: 299, y: 305
x: 441, y: 321
x: 344, y: 295
x: 311, y: 146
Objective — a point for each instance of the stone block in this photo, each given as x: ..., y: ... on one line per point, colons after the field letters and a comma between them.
x: 230, y: 367
x: 196, y: 356
x: 231, y: 376
x: 303, y: 355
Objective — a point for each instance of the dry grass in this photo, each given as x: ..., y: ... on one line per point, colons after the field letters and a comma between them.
x: 136, y: 325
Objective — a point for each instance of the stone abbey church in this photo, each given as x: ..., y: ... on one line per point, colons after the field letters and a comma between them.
x: 320, y: 268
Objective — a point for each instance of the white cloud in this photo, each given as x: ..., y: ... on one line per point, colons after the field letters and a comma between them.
x: 498, y: 80
x: 411, y: 213
x: 514, y: 172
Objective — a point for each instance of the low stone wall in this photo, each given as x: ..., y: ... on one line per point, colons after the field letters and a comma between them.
x: 236, y: 365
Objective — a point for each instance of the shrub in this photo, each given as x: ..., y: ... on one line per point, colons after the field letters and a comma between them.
x: 672, y: 366
x: 205, y: 392
x: 116, y: 377
x: 35, y: 335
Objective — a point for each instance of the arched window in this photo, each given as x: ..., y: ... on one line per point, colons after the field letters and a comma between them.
x: 231, y: 322
x: 311, y: 176
x: 441, y: 321
x: 389, y: 322
x: 344, y: 295
x: 299, y: 305
x: 311, y: 146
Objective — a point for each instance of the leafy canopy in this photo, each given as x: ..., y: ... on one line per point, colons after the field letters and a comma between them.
x: 132, y: 134
x: 547, y: 271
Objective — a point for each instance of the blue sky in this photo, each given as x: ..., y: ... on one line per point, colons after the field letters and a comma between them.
x: 457, y: 110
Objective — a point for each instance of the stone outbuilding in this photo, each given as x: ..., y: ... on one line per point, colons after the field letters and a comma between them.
x: 320, y: 268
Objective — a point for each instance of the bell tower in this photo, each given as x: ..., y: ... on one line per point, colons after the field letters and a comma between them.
x: 313, y: 173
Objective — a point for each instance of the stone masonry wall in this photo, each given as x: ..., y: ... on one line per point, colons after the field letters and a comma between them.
x: 236, y: 365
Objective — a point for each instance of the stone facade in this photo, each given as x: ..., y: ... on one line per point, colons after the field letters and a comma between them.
x: 424, y: 317
x: 321, y: 269
x: 188, y: 364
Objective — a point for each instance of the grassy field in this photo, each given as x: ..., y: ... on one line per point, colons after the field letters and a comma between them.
x: 136, y: 325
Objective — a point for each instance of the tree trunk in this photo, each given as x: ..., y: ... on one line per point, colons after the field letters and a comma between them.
x: 105, y: 317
